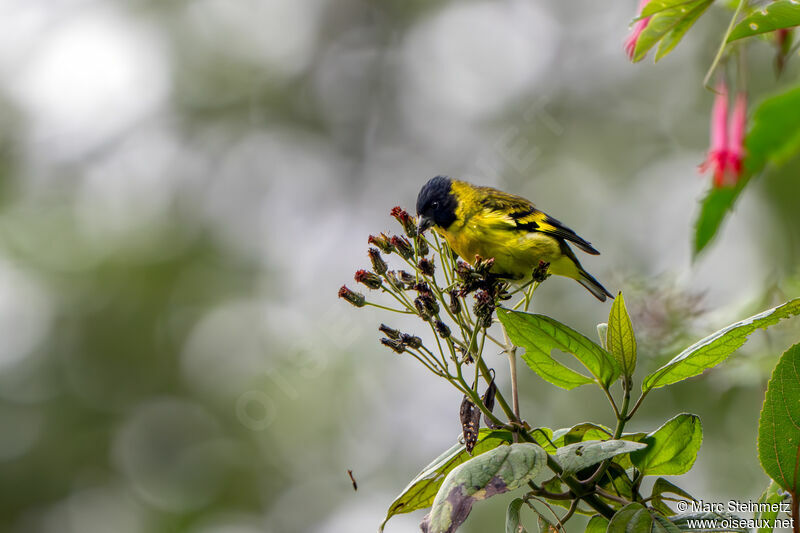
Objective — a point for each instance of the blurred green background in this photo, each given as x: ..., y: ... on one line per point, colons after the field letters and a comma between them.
x: 184, y: 185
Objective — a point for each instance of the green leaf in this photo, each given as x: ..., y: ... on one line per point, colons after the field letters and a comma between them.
x: 775, y: 16
x: 580, y: 432
x: 419, y: 494
x: 772, y: 495
x: 670, y: 20
x: 620, y: 338
x: 671, y: 39
x: 672, y: 448
x: 576, y: 457
x: 715, y: 348
x: 597, y: 524
x: 713, y: 209
x: 779, y: 424
x: 494, y: 472
x: 773, y: 138
x: 540, y: 335
x: 636, y: 518
x: 661, y: 487
x: 513, y: 524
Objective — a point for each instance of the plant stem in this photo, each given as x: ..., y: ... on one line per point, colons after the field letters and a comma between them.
x: 511, y: 350
x: 795, y: 513
x: 722, y: 45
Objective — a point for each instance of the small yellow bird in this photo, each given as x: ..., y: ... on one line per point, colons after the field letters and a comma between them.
x: 486, y: 222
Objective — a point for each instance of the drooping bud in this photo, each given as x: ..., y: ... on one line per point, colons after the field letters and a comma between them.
x: 370, y: 279
x: 382, y: 242
x: 470, y: 417
x: 455, y: 302
x: 355, y: 298
x: 389, y: 332
x: 442, y: 329
x: 425, y: 266
x: 394, y: 344
x: 403, y: 247
x: 378, y: 264
x: 410, y: 340
x: 422, y: 246
x: 405, y: 220
x: 484, y: 308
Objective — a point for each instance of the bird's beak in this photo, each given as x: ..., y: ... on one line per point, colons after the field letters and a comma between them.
x: 424, y: 223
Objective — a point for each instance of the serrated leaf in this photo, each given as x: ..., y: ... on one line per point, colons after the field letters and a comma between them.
x: 540, y: 335
x: 513, y: 523
x: 620, y: 338
x: 597, y: 524
x: 779, y: 424
x: 774, y: 16
x: 494, y: 472
x: 771, y: 495
x: 578, y: 456
x: 636, y: 518
x: 662, y: 487
x: 420, y: 493
x: 670, y: 22
x: 717, y: 347
x: 672, y: 448
x: 671, y: 39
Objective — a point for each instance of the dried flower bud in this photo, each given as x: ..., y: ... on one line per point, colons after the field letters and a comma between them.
x: 389, y: 332
x: 426, y: 266
x: 422, y: 246
x: 370, y: 279
x: 382, y: 242
x: 405, y: 220
x: 403, y: 247
x: 442, y: 329
x: 470, y: 423
x: 483, y: 266
x: 423, y: 289
x: 410, y: 340
x: 426, y: 307
x: 488, y: 401
x: 394, y: 344
x: 455, y: 302
x: 355, y: 298
x: 406, y: 278
x: 378, y: 264
x: 484, y: 308
x: 541, y: 272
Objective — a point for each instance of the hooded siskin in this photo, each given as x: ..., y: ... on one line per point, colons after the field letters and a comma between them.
x: 486, y: 222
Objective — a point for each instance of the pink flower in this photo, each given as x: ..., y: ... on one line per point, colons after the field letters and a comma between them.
x: 727, y: 140
x: 636, y: 31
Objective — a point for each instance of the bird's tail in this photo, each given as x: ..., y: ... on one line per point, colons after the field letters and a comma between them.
x: 594, y: 286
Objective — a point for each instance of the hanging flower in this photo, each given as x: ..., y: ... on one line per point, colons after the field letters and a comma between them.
x: 636, y: 31
x: 726, y: 152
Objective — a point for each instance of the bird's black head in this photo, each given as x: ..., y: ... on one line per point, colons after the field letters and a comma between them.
x: 436, y: 205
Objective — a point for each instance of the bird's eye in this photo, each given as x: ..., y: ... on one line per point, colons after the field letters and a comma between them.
x: 435, y: 205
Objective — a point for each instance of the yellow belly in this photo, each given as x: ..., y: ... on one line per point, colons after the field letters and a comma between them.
x: 515, y: 254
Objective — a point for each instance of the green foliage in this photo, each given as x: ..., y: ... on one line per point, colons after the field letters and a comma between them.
x: 636, y: 518
x: 597, y: 524
x: 620, y: 340
x: 715, y: 348
x: 771, y: 495
x: 420, y: 493
x: 763, y: 19
x: 580, y: 432
x: 576, y: 457
x: 513, y: 523
x: 773, y: 139
x: 669, y: 22
x: 540, y: 335
x: 495, y: 472
x: 662, y: 487
x: 672, y: 448
x: 779, y: 425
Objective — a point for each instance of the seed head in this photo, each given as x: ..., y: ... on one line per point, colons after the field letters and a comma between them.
x: 403, y: 247
x: 378, y: 264
x: 370, y: 279
x: 355, y: 298
x: 442, y: 329
x: 389, y: 332
x: 382, y: 242
x: 405, y: 220
x: 410, y: 340
x: 394, y: 344
x: 425, y: 266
